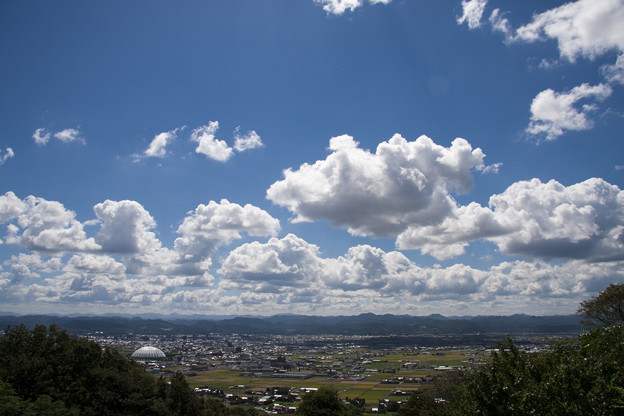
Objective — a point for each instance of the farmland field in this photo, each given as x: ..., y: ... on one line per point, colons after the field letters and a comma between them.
x: 371, y: 389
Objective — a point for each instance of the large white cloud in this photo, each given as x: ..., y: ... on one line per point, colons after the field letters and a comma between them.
x: 293, y: 265
x: 369, y: 268
x: 380, y: 194
x: 125, y: 227
x: 289, y: 275
x: 584, y: 221
x: 10, y: 207
x: 43, y: 226
x: 587, y: 28
x: 277, y: 266
x: 202, y: 232
x: 292, y: 271
x: 581, y: 221
x: 450, y: 237
x: 211, y: 226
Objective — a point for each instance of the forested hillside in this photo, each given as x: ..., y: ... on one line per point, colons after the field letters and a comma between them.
x: 44, y: 371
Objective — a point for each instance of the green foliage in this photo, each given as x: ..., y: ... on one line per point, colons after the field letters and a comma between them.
x: 46, y: 372
x: 433, y: 399
x: 13, y: 405
x: 413, y: 407
x: 605, y: 309
x: 574, y: 377
x: 325, y: 402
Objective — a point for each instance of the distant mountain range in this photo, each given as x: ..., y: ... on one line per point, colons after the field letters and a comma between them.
x: 364, y: 324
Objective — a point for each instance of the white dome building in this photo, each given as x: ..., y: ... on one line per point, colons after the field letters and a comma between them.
x: 148, y: 353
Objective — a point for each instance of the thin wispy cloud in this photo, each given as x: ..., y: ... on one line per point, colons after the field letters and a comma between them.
x: 158, y: 145
x: 42, y: 136
x: 247, y: 141
x: 8, y: 154
x: 69, y: 135
x: 338, y: 7
x: 472, y: 13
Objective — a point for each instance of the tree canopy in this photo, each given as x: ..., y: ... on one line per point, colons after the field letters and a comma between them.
x: 325, y: 402
x: 574, y: 377
x: 605, y: 309
x: 45, y: 371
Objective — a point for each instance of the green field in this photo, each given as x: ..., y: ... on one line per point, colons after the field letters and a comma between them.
x: 371, y: 389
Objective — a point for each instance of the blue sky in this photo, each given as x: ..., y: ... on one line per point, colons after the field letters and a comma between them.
x: 313, y: 156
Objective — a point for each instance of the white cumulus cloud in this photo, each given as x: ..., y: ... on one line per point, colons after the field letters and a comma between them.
x: 587, y: 28
x: 31, y: 265
x: 250, y: 140
x: 582, y: 221
x: 158, y: 145
x: 202, y: 232
x: 278, y: 266
x: 43, y: 226
x: 209, y: 145
x: 211, y: 226
x: 552, y: 113
x: 10, y: 206
x: 95, y: 264
x: 125, y: 227
x: 290, y: 270
x: 380, y: 194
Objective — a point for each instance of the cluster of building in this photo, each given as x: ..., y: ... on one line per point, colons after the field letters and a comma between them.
x: 253, y: 355
x: 334, y: 357
x: 277, y: 400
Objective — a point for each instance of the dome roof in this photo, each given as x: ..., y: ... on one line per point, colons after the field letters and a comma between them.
x: 150, y: 353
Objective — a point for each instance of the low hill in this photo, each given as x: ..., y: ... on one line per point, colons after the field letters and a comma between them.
x: 364, y: 324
